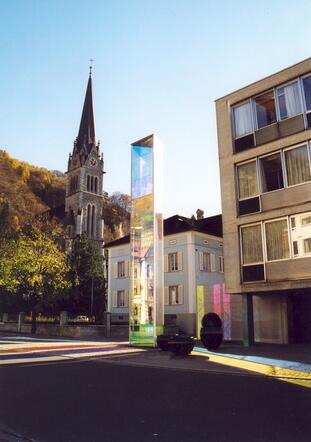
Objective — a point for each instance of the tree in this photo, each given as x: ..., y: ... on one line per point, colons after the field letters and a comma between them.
x: 87, y: 278
x: 116, y: 211
x: 34, y: 271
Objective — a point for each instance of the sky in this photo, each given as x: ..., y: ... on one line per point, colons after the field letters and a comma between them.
x: 159, y: 65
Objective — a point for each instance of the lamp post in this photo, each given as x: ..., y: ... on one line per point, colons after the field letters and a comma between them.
x: 92, y: 296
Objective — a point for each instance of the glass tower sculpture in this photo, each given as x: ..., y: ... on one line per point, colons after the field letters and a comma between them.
x: 146, y: 266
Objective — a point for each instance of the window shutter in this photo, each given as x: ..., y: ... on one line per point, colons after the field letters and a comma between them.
x: 221, y: 264
x: 201, y: 260
x: 114, y: 299
x: 115, y: 269
x: 127, y: 269
x: 213, y: 263
x: 179, y: 260
x: 180, y: 294
x: 166, y: 296
x: 165, y: 263
x: 126, y: 298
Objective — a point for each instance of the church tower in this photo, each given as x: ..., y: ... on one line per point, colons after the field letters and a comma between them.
x: 84, y: 192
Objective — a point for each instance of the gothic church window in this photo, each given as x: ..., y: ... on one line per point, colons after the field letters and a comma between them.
x: 88, y: 219
x: 93, y: 222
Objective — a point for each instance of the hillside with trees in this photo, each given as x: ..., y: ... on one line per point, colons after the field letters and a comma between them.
x: 27, y: 191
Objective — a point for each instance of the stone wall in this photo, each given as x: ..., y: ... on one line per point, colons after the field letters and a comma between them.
x: 69, y: 331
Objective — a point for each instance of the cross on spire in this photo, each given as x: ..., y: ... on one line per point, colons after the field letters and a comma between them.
x: 91, y: 65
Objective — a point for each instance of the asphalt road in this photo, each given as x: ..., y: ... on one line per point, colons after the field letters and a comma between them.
x: 94, y: 401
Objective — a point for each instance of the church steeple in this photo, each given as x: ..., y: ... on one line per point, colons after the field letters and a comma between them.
x: 84, y: 193
x: 86, y: 137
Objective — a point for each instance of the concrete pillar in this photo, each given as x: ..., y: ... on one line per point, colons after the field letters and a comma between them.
x: 5, y: 317
x: 248, y: 320
x: 63, y: 318
x: 21, y: 319
x: 107, y: 322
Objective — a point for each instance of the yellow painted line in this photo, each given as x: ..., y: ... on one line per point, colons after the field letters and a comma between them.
x: 283, y: 374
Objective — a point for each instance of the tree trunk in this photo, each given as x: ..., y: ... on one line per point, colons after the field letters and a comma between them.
x: 33, y: 322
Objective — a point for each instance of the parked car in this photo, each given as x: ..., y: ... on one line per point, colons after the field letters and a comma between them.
x: 79, y: 318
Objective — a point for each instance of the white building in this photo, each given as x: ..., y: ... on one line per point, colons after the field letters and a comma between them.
x: 193, y: 256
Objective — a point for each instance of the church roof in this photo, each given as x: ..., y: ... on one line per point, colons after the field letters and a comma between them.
x: 86, y: 136
x: 211, y: 225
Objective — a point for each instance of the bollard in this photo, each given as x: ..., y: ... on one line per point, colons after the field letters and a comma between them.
x: 107, y: 322
x: 21, y: 319
x: 63, y: 318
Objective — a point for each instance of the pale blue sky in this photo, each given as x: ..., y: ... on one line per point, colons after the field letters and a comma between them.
x: 159, y: 66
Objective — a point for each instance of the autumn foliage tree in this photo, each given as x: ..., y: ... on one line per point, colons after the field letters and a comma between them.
x: 87, y: 278
x: 33, y: 270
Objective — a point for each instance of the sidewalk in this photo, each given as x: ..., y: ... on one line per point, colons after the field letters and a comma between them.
x: 289, y: 352
x: 290, y: 363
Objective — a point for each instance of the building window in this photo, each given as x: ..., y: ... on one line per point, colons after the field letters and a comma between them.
x: 205, y: 261
x: 73, y: 184
x: 88, y: 183
x: 289, y: 100
x: 121, y: 298
x: 295, y: 248
x: 286, y: 168
x: 277, y: 105
x: 307, y: 245
x: 265, y: 109
x: 88, y: 220
x: 297, y: 165
x: 221, y: 264
x: 306, y: 220
x: 148, y: 271
x: 93, y: 222
x: 300, y: 234
x: 277, y: 240
x: 121, y: 269
x: 251, y: 244
x: 247, y: 180
x: 96, y: 185
x: 271, y: 172
x: 306, y: 83
x: 242, y: 117
x: 173, y: 262
x: 175, y: 293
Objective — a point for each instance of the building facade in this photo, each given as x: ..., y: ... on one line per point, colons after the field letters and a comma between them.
x: 264, y: 138
x: 193, y: 256
x: 84, y: 191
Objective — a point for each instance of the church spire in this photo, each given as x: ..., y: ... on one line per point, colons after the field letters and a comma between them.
x: 86, y: 136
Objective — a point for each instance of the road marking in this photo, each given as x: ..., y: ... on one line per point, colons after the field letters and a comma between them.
x: 23, y: 354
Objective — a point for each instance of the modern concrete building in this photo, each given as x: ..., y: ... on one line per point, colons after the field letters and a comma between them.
x: 264, y: 137
x: 193, y: 256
